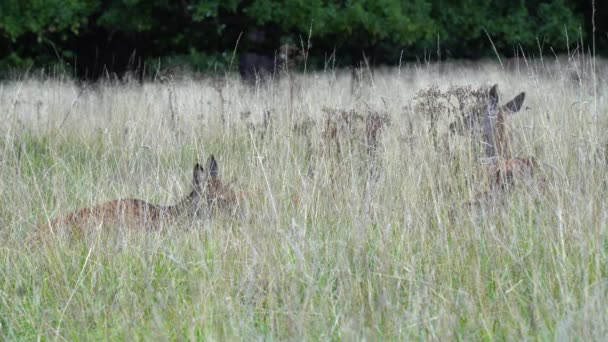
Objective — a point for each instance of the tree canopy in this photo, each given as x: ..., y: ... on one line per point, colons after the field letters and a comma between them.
x: 92, y: 37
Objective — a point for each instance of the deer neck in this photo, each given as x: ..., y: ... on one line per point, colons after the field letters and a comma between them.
x: 503, y: 149
x: 489, y: 134
x: 186, y: 206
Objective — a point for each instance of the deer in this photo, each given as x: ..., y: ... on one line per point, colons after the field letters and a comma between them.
x: 254, y: 66
x: 490, y: 122
x: 209, y: 195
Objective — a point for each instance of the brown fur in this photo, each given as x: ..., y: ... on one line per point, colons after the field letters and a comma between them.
x: 209, y: 194
x: 221, y: 196
x: 133, y: 211
x: 504, y: 171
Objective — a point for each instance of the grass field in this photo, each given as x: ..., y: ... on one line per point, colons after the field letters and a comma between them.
x: 340, y: 236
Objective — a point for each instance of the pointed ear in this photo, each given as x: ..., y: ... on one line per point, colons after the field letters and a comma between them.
x: 212, y: 165
x: 456, y: 127
x: 493, y: 96
x: 198, y: 176
x: 515, y: 104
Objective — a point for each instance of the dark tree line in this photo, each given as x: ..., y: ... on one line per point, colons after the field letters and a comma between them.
x: 93, y: 38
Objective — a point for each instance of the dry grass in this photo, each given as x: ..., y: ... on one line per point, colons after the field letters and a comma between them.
x: 354, y: 223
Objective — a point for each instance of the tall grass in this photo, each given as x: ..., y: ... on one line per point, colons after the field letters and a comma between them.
x: 360, y: 243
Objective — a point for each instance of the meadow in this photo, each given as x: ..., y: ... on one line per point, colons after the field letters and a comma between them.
x: 347, y: 230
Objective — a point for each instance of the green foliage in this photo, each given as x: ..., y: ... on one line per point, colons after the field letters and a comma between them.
x: 510, y: 25
x: 350, y: 22
x: 41, y: 18
x: 46, y: 32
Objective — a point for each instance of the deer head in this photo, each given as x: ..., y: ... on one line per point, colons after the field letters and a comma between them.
x: 489, y: 120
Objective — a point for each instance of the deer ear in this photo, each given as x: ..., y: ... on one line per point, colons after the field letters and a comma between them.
x: 198, y: 176
x: 493, y: 96
x: 212, y: 165
x: 515, y: 104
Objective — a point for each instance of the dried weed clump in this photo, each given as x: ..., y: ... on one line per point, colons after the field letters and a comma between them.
x: 351, y: 128
x: 465, y: 103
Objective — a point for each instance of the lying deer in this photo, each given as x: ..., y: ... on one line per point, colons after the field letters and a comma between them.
x: 209, y: 194
x: 254, y: 66
x: 504, y: 170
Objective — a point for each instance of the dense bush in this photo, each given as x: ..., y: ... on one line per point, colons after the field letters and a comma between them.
x: 90, y: 37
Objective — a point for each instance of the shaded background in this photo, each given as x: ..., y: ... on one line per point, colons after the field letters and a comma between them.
x: 93, y: 38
